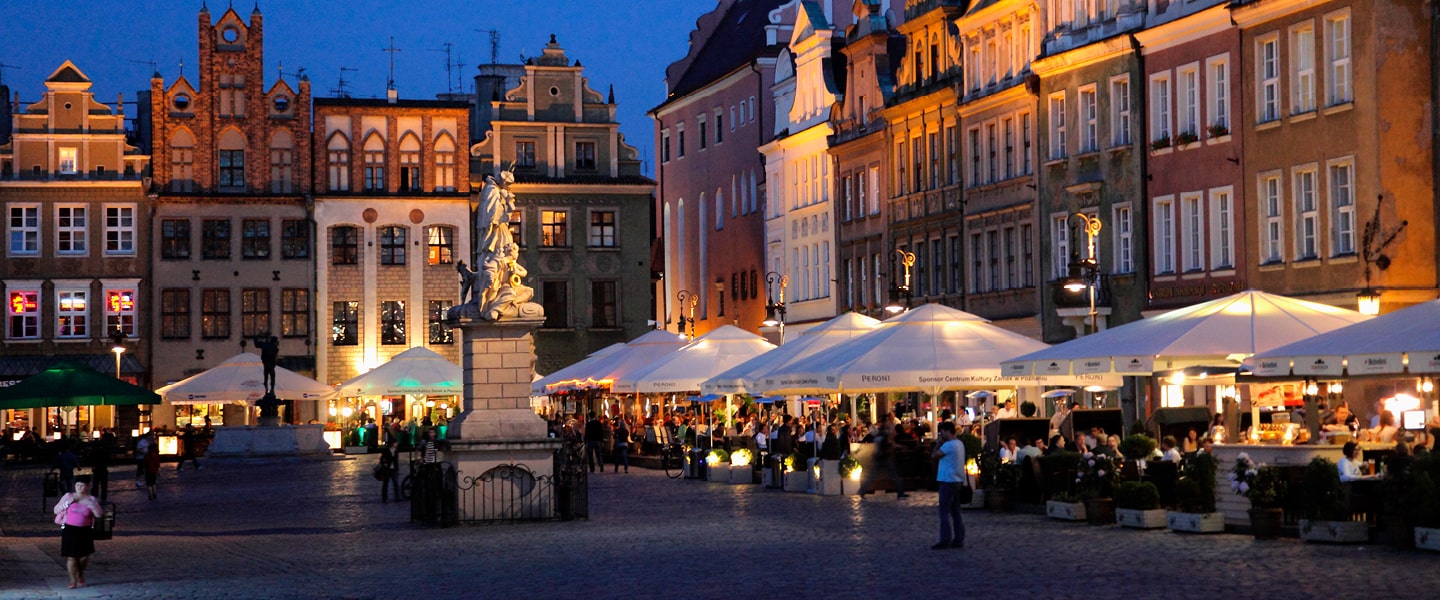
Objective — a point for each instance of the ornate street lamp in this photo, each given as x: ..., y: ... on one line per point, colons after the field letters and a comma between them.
x: 902, y: 291
x: 118, y: 337
x: 775, y: 310
x: 1085, y: 274
x: 687, y: 300
x: 1373, y: 242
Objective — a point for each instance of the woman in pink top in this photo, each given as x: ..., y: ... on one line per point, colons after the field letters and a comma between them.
x: 77, y: 535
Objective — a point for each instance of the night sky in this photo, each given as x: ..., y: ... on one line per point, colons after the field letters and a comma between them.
x: 627, y: 44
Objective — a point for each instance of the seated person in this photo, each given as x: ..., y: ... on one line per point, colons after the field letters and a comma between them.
x: 1008, y: 450
x: 1191, y: 442
x: 1007, y: 411
x: 1167, y: 449
x: 1396, y: 463
x: 1027, y: 450
x: 1350, y: 466
x: 1057, y: 444
x: 1384, y: 432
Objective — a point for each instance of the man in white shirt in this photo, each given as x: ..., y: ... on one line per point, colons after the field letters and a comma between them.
x: 950, y: 474
x: 1007, y: 411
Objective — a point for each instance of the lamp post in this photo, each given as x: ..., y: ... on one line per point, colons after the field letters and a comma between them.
x: 907, y: 259
x: 687, y: 300
x: 118, y: 337
x: 1373, y: 242
x: 1086, y: 273
x: 775, y: 310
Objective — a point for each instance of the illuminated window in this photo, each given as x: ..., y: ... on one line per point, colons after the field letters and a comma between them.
x: 295, y: 312
x: 517, y: 228
x: 23, y: 310
x: 392, y: 323
x: 374, y: 164
x: 24, y: 222
x: 120, y: 311
x: 345, y: 323
x: 72, y: 313
x: 445, y: 164
x: 69, y: 160
x: 392, y: 245
x: 70, y: 229
x: 254, y: 312
x: 553, y: 232
x: 440, y: 333
x: 215, y: 313
x: 344, y: 245
x: 602, y: 229
x: 441, y: 244
x: 410, y: 180
x: 255, y: 239
x: 175, y: 313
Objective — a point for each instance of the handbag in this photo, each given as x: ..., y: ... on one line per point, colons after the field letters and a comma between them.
x: 380, y: 472
x: 966, y: 493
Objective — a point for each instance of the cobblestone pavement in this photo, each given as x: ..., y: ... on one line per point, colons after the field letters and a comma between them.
x: 307, y: 528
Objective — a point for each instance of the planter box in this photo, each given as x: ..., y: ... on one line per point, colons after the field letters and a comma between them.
x: 767, y: 478
x: 977, y: 501
x: 1065, y: 511
x: 797, y: 481
x: 1195, y: 522
x: 741, y: 475
x: 718, y: 472
x: 1140, y: 519
x: 1334, y: 532
x: 1427, y: 538
x: 357, y: 450
x: 828, y: 484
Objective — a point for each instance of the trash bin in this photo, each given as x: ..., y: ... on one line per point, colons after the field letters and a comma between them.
x: 775, y: 471
x: 695, y: 465
x: 105, y: 525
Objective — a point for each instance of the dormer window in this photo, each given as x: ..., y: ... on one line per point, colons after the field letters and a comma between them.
x: 282, y: 104
x: 181, y: 101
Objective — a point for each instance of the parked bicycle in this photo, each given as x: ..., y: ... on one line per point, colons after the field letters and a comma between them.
x: 672, y: 459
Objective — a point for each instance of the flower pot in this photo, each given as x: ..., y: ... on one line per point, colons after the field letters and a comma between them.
x: 1427, y: 538
x: 1265, y: 523
x: 741, y: 474
x: 1065, y: 511
x: 1195, y: 522
x: 797, y: 481
x: 997, y: 500
x: 1135, y: 518
x: 1334, y: 532
x: 718, y: 472
x: 1100, y: 511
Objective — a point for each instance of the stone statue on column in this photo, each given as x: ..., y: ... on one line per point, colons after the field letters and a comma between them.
x: 494, y: 286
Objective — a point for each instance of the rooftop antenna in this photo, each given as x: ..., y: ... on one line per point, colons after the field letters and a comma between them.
x: 4, y: 66
x: 449, y: 67
x: 298, y: 74
x: 390, y: 84
x: 154, y: 67
x: 494, y: 44
x: 339, y: 89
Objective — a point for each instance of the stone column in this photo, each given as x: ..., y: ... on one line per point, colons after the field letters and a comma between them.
x: 497, y: 358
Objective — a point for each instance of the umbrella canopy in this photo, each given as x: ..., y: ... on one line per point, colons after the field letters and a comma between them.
x: 1397, y: 342
x: 929, y: 349
x: 417, y: 371
x: 685, y: 369
x: 637, y: 354
x: 72, y: 384
x: 241, y: 379
x: 1210, y: 333
x: 581, y: 367
x: 749, y: 377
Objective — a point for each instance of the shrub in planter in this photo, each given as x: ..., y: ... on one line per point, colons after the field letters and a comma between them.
x: 1195, y: 491
x: 1422, y: 502
x: 1096, y: 475
x: 1160, y: 143
x: 1186, y: 137
x: 716, y: 456
x: 1323, y: 495
x: 1027, y: 409
x: 1218, y: 130
x: 1137, y: 446
x: 1137, y: 495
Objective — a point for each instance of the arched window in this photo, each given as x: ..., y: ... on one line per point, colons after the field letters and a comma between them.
x: 344, y: 245
x: 282, y: 171
x: 338, y: 151
x: 445, y: 163
x: 182, y: 161
x: 374, y: 163
x: 719, y: 210
x: 232, y: 161
x: 410, y: 180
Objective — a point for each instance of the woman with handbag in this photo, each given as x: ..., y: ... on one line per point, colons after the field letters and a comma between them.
x: 76, y: 513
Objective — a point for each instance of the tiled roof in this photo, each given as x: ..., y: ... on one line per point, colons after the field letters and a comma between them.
x: 584, y: 179
x: 738, y: 39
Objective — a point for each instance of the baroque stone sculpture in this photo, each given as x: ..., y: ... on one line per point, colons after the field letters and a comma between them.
x: 493, y: 289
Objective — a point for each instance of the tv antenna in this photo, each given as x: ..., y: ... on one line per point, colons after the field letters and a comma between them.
x: 4, y: 66
x: 339, y: 89
x: 454, y: 70
x: 494, y: 44
x: 390, y: 84
x: 154, y: 66
x: 298, y: 74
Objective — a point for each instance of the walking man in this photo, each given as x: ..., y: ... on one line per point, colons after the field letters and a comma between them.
x: 188, y: 442
x: 950, y: 474
x: 594, y: 435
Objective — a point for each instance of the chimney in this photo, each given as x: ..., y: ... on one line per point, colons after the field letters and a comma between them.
x: 391, y: 94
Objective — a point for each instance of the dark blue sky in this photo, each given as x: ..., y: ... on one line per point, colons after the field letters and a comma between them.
x: 627, y: 44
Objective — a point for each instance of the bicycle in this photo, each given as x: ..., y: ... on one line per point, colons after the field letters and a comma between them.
x: 672, y: 459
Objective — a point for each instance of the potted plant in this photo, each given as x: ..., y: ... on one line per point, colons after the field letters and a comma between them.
x: 1185, y: 138
x: 1218, y: 130
x: 1136, y: 448
x: 1423, y: 502
x: 1058, y: 470
x: 1265, y: 487
x: 999, y: 479
x: 1325, y: 508
x: 1195, y: 494
x: 740, y: 469
x: 1160, y: 143
x: 797, y: 477
x: 1137, y: 505
x: 1027, y: 409
x: 1096, y: 476
x: 1065, y: 506
x: 851, y: 472
x: 717, y: 463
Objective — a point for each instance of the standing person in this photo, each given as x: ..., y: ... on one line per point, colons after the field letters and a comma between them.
x: 142, y: 447
x: 77, y: 533
x: 100, y: 465
x: 66, y: 461
x: 390, y: 471
x: 188, y: 441
x: 594, y: 436
x: 622, y: 445
x: 884, y: 458
x: 151, y: 462
x: 950, y: 474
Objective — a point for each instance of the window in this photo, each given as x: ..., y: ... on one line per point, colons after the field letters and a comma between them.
x: 120, y: 311
x: 175, y: 313
x: 585, y: 156
x: 1307, y: 214
x: 935, y: 172
x: 1027, y: 254
x: 392, y: 245
x: 23, y: 310
x: 182, y: 162
x: 1337, y: 58
x: 1057, y: 126
x: 70, y: 229
x: 1192, y: 234
x: 1270, y: 203
x: 72, y: 313
x: 1342, y: 207
x: 232, y: 170
x: 602, y: 228
x: 215, y: 239
x: 254, y: 312
x: 1160, y: 108
x: 439, y: 332
x: 1302, y: 69
x: 410, y: 178
x: 920, y: 273
x: 175, y: 239
x: 977, y: 262
x: 1222, y: 229
x: 68, y: 159
x: 899, y: 163
x: 1124, y: 239
x: 24, y: 224
x: 847, y: 193
x: 215, y: 313
x: 440, y: 241
x: 1060, y: 232
x: 719, y: 126
x: 282, y: 173
x: 552, y: 228
x: 119, y: 229
x: 1008, y: 125
x: 952, y: 150
x: 917, y: 163
x: 339, y: 157
x: 1027, y: 134
x: 1120, y: 111
x: 517, y: 227
x: 665, y: 146
x: 392, y: 323
x: 703, y: 140
x: 1164, y: 235
x: 992, y: 156
x: 445, y: 164
x: 295, y: 312
x: 345, y: 323
x: 1089, y: 125
x: 374, y: 164
x: 680, y: 142
x: 604, y: 311
x: 973, y: 137
x: 957, y: 265
x: 554, y: 299
x: 344, y: 245
x: 294, y: 238
x: 1189, y: 101
x: 255, y: 239
x: 1267, y: 69
x: 1218, y: 105
x: 1007, y: 242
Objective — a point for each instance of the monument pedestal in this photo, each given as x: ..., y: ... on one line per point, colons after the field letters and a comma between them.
x: 290, y: 440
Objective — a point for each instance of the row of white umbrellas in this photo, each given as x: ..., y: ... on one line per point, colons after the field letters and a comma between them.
x: 417, y: 371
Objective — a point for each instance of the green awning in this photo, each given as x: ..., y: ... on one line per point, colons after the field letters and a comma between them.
x: 73, y: 384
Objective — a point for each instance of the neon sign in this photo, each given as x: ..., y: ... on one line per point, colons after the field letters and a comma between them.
x: 24, y: 303
x: 121, y: 302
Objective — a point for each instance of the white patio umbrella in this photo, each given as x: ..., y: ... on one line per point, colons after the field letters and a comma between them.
x: 1398, y: 342
x: 685, y: 369
x: 930, y: 349
x: 748, y: 377
x: 241, y: 379
x: 1216, y: 333
x: 418, y: 371
x: 579, y: 368
x: 638, y: 353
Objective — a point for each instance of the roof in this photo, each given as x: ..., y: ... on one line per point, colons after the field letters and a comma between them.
x: 68, y: 73
x: 584, y: 179
x: 382, y: 103
x: 737, y: 39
